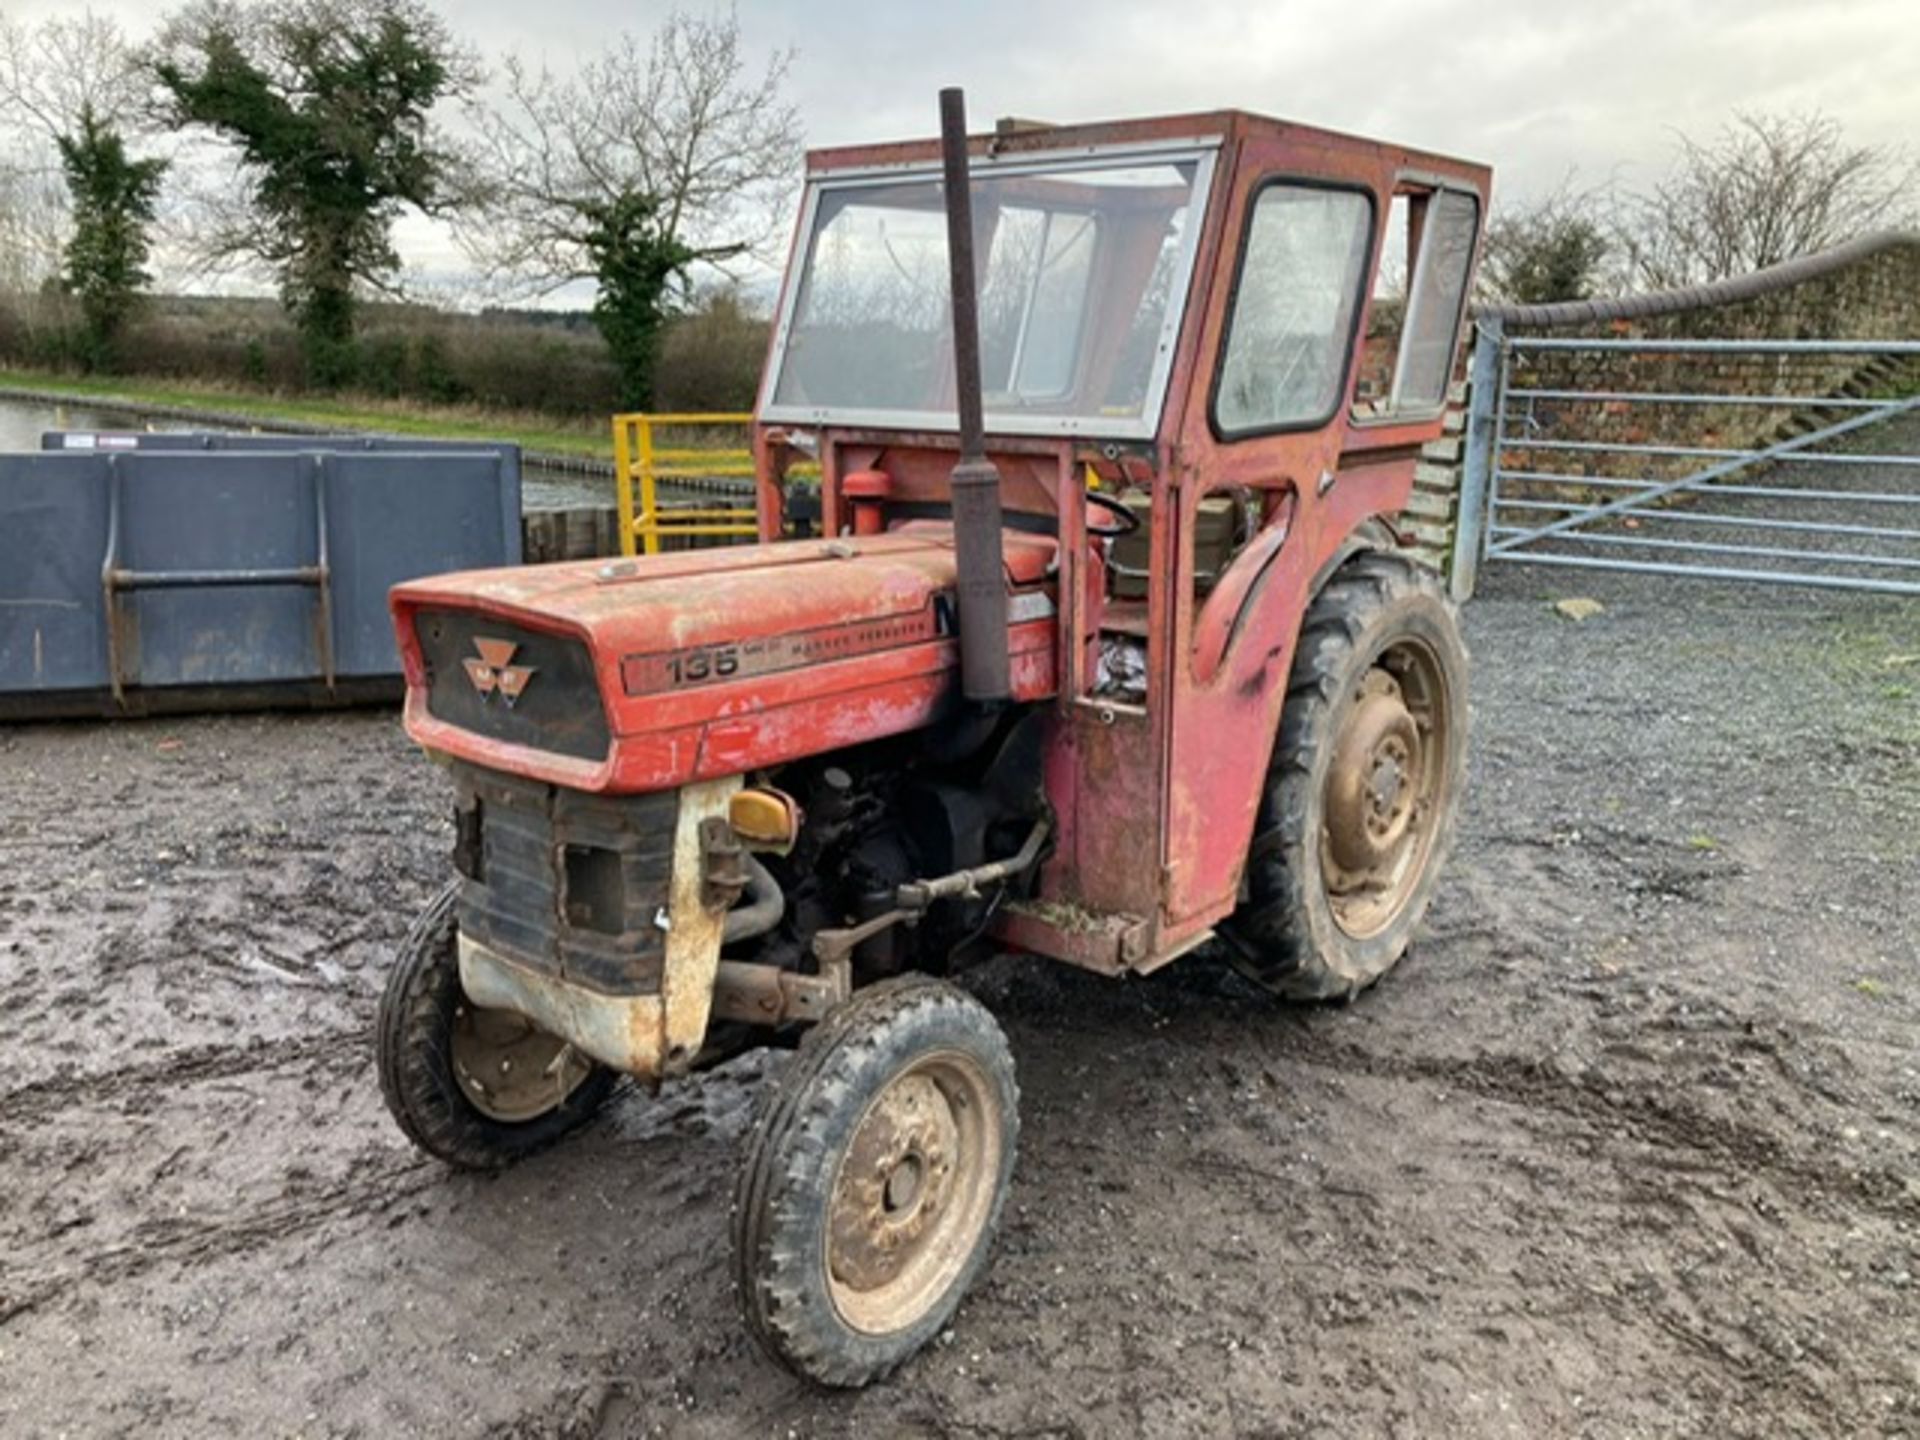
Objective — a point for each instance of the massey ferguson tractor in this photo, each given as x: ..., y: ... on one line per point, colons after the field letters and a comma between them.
x: 1110, y: 646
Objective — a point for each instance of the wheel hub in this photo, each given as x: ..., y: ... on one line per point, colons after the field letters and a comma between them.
x: 904, y: 1184
x: 509, y: 1068
x: 1369, y: 797
x: 913, y: 1194
x: 893, y: 1182
x: 1383, y: 787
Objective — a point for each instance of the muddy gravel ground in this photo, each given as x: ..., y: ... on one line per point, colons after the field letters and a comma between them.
x: 1630, y: 1144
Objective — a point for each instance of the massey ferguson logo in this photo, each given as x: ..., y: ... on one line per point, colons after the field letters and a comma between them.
x: 494, y: 672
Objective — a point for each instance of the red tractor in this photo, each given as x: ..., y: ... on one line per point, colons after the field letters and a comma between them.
x: 1111, y: 646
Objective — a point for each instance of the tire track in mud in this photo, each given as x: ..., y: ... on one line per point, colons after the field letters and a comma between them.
x: 153, y: 1242
x: 336, y: 1050
x: 376, y: 1186
x: 1758, y: 1369
x: 1610, y: 1107
x: 1600, y: 1102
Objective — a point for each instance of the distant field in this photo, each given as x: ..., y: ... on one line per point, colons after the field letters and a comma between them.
x: 588, y: 436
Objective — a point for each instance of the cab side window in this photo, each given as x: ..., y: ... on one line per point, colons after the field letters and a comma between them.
x: 1301, y: 270
x: 1419, y: 289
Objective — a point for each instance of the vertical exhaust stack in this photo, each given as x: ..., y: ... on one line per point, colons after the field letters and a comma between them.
x: 976, y: 483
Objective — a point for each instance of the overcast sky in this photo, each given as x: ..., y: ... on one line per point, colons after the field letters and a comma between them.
x: 1538, y: 88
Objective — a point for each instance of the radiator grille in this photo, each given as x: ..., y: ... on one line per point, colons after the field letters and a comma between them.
x: 572, y: 885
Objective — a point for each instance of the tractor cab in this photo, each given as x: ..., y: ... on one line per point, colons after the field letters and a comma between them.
x: 1210, y: 348
x: 1115, y: 642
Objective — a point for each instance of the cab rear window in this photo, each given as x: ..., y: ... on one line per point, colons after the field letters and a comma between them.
x: 1420, y: 289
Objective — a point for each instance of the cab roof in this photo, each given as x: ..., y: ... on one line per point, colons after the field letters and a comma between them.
x: 1214, y: 126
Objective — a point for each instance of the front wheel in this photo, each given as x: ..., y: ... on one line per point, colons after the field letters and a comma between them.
x: 873, y: 1181
x: 1363, y: 788
x: 474, y: 1087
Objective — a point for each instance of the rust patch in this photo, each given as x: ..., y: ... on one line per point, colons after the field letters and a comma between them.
x: 693, y: 928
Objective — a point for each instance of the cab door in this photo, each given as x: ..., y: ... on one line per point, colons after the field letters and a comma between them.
x: 1271, y: 425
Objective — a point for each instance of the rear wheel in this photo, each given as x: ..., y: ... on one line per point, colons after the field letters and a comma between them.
x: 474, y: 1087
x: 873, y: 1181
x: 1363, y: 787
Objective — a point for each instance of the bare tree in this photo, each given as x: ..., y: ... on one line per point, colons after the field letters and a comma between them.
x: 1767, y: 188
x: 50, y: 75
x: 75, y: 88
x: 53, y: 73
x: 657, y: 157
x: 1558, y: 247
x: 33, y: 224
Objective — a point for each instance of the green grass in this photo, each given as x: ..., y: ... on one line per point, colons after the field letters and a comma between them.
x: 1904, y: 385
x: 1876, y: 661
x: 587, y: 436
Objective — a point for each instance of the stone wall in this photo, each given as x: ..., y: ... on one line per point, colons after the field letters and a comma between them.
x: 1874, y: 298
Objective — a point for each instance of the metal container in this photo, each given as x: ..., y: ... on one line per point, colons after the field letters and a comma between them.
x: 170, y: 572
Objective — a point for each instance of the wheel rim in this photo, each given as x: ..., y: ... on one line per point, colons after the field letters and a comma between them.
x: 913, y: 1193
x: 1386, y: 789
x: 509, y: 1068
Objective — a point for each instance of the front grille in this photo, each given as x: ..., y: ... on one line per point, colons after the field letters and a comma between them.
x: 573, y: 885
x: 559, y: 707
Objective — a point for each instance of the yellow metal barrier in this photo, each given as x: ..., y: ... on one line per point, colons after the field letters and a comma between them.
x: 639, y: 457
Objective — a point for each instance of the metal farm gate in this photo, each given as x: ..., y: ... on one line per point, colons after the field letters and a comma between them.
x: 1564, y: 466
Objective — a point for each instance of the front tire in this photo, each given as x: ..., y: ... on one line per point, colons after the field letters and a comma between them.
x: 1363, y: 788
x: 874, y: 1178
x: 473, y: 1087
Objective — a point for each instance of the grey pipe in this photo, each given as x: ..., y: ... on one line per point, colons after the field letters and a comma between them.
x: 979, y: 556
x: 1797, y: 271
x: 763, y: 909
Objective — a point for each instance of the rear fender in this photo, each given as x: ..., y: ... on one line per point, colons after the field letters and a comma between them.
x: 1243, y: 655
x: 1374, y: 534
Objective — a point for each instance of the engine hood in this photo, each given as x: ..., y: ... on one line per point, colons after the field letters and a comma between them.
x: 645, y: 673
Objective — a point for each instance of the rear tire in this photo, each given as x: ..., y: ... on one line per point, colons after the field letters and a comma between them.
x: 874, y: 1178
x: 1363, y: 787
x: 437, y: 1055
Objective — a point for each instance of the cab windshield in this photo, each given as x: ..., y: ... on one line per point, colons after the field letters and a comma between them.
x: 1083, y: 271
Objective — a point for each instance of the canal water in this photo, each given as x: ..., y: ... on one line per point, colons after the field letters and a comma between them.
x: 23, y: 421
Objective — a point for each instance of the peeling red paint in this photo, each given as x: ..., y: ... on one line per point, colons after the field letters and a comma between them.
x: 718, y: 726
